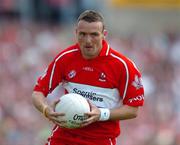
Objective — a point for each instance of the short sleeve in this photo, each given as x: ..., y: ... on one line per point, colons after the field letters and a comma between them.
x: 51, y: 79
x: 131, y: 87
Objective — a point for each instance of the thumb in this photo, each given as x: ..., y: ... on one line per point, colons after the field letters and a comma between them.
x: 90, y: 104
x: 54, y: 104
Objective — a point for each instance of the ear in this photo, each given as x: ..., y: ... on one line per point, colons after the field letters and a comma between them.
x: 105, y: 33
x: 75, y: 34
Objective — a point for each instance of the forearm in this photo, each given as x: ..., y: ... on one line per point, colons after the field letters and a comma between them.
x: 103, y: 114
x: 123, y: 113
x: 39, y: 101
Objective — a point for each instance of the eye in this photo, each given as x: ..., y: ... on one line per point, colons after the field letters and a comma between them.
x: 82, y: 34
x: 95, y: 34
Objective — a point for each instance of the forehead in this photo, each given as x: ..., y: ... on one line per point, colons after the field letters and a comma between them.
x: 84, y: 26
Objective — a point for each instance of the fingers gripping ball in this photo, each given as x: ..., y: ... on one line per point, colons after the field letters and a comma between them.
x: 74, y: 106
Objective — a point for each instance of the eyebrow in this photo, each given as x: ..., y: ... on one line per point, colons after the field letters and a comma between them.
x: 81, y: 32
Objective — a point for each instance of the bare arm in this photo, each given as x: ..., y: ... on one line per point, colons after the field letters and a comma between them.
x: 39, y: 101
x: 122, y: 113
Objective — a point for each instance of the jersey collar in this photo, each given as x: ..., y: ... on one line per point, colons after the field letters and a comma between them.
x: 105, y: 49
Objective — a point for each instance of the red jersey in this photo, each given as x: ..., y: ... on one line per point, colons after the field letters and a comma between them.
x: 108, y: 81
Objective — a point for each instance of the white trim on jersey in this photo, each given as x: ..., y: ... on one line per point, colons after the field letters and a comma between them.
x: 52, y: 72
x: 110, y: 140
x: 49, y: 142
x: 54, y: 65
x: 127, y: 73
x: 101, y: 97
x: 107, y: 52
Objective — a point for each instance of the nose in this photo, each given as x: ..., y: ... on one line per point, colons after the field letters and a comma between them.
x: 88, y: 38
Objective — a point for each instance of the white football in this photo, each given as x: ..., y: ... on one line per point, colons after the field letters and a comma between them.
x: 74, y: 106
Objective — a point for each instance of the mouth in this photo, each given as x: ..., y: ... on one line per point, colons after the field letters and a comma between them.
x: 88, y: 47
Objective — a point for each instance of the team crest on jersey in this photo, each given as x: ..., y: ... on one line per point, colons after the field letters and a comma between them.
x: 137, y: 83
x: 102, y: 77
x: 72, y: 74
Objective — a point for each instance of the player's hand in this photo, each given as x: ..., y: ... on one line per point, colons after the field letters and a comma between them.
x: 93, y: 115
x: 53, y: 116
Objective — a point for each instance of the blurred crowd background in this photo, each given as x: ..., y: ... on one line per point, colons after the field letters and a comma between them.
x: 32, y: 32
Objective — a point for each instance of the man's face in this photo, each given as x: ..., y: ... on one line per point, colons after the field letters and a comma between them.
x: 89, y: 37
